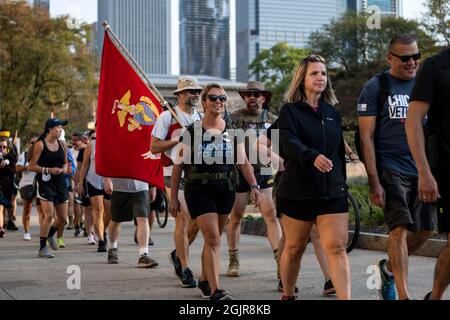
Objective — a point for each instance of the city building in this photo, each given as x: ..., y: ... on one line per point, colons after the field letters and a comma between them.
x: 205, y: 37
x: 387, y: 7
x: 42, y: 3
x: 260, y: 24
x: 144, y: 27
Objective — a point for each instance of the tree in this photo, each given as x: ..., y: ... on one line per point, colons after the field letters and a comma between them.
x: 437, y: 20
x: 46, y: 66
x: 274, y: 67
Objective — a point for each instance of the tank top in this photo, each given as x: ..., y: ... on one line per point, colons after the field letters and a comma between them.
x: 52, y: 159
x: 92, y: 177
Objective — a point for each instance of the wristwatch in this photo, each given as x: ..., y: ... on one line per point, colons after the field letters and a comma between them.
x: 255, y: 186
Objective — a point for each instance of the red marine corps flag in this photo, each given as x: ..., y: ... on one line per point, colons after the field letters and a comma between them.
x: 127, y: 111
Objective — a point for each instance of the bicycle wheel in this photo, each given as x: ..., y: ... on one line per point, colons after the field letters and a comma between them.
x: 353, y: 222
x: 162, y: 213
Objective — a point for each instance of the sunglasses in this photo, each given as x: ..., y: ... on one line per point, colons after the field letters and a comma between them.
x: 3, y: 147
x: 254, y: 94
x: 31, y: 142
x: 415, y: 57
x: 214, y: 98
x: 193, y: 91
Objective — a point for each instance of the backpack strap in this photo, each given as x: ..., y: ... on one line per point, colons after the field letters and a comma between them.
x: 385, y: 91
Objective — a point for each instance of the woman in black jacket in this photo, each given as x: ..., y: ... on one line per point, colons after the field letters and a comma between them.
x: 313, y: 189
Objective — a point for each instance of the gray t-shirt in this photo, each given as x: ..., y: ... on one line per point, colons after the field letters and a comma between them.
x: 128, y: 185
x: 391, y: 146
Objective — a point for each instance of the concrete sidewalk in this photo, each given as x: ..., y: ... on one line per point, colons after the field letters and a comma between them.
x: 25, y: 276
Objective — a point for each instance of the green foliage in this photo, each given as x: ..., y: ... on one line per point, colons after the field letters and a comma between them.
x: 437, y: 20
x: 274, y: 68
x: 371, y: 216
x: 250, y: 217
x: 45, y: 67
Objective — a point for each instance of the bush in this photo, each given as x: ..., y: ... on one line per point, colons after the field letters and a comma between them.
x: 371, y: 215
x: 250, y: 217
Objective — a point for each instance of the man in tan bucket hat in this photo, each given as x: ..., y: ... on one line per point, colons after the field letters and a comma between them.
x: 163, y: 141
x: 253, y: 117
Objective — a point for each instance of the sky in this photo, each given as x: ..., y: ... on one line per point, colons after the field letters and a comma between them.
x: 86, y: 10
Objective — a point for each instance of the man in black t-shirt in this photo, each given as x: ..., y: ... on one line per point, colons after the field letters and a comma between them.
x: 431, y: 95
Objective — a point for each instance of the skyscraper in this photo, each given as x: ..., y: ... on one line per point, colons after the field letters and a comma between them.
x: 260, y: 24
x: 42, y: 3
x: 205, y: 37
x: 387, y: 7
x: 143, y: 26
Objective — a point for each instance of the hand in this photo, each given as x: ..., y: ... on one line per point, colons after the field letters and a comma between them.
x: 174, y: 206
x: 55, y: 171
x: 323, y: 164
x: 150, y: 155
x: 353, y: 157
x: 256, y: 197
x: 108, y: 186
x: 80, y: 189
x: 378, y: 196
x: 428, y: 188
x: 152, y: 193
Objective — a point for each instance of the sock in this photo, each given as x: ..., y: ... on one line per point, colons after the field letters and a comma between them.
x: 143, y: 251
x: 113, y: 245
x: 52, y: 231
x: 233, y: 251
x: 390, y: 274
x: 43, y: 242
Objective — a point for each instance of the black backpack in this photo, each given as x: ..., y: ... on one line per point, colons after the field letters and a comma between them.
x: 385, y: 91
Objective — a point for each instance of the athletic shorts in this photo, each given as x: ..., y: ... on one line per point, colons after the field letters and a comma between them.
x: 52, y: 191
x: 28, y: 193
x: 125, y: 206
x: 84, y: 200
x: 403, y: 206
x: 180, y: 186
x: 310, y: 209
x: 93, y: 192
x: 205, y: 201
x: 264, y: 181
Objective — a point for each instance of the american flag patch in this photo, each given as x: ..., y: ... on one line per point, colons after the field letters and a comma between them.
x: 362, y: 107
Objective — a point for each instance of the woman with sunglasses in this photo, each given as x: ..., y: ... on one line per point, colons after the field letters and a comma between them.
x: 314, y: 154
x: 7, y: 171
x: 209, y: 156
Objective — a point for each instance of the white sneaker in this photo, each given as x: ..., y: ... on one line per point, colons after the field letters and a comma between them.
x: 27, y: 236
x: 91, y: 239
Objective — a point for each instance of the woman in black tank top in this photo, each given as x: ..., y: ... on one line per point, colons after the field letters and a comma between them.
x: 49, y: 161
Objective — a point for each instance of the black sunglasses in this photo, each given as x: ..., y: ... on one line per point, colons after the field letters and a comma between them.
x: 4, y: 147
x: 31, y: 142
x: 214, y: 98
x: 254, y: 94
x: 193, y: 91
x: 415, y: 57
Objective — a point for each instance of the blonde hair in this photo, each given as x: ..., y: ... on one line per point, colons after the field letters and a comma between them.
x: 296, y: 89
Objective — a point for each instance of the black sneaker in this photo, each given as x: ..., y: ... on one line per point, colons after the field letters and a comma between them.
x: 150, y: 242
x: 427, y: 296
x: 77, y: 232
x: 11, y: 226
x: 328, y: 288
x: 146, y: 262
x: 205, y: 289
x: 101, y: 246
x: 220, y: 294
x: 280, y: 287
x: 112, y: 256
x: 176, y: 263
x: 288, y: 298
x: 187, y: 279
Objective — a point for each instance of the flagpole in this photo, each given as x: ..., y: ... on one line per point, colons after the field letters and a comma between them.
x: 149, y: 84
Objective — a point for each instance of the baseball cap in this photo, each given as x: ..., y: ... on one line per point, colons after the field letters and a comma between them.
x: 54, y: 122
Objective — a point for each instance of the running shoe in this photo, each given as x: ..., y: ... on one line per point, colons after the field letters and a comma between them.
x: 387, y: 290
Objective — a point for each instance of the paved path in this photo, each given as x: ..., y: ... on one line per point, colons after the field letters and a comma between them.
x: 24, y: 276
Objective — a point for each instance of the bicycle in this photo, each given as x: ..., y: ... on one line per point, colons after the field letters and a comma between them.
x: 162, y: 212
x: 354, y: 222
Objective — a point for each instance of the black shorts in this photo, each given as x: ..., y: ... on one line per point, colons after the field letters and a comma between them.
x: 53, y: 191
x: 84, y: 200
x: 28, y: 193
x: 125, y: 206
x: 309, y: 209
x: 403, y: 206
x: 264, y: 181
x: 93, y: 192
x: 206, y: 201
x: 444, y: 215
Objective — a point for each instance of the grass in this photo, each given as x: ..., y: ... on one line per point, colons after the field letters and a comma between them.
x: 371, y: 216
